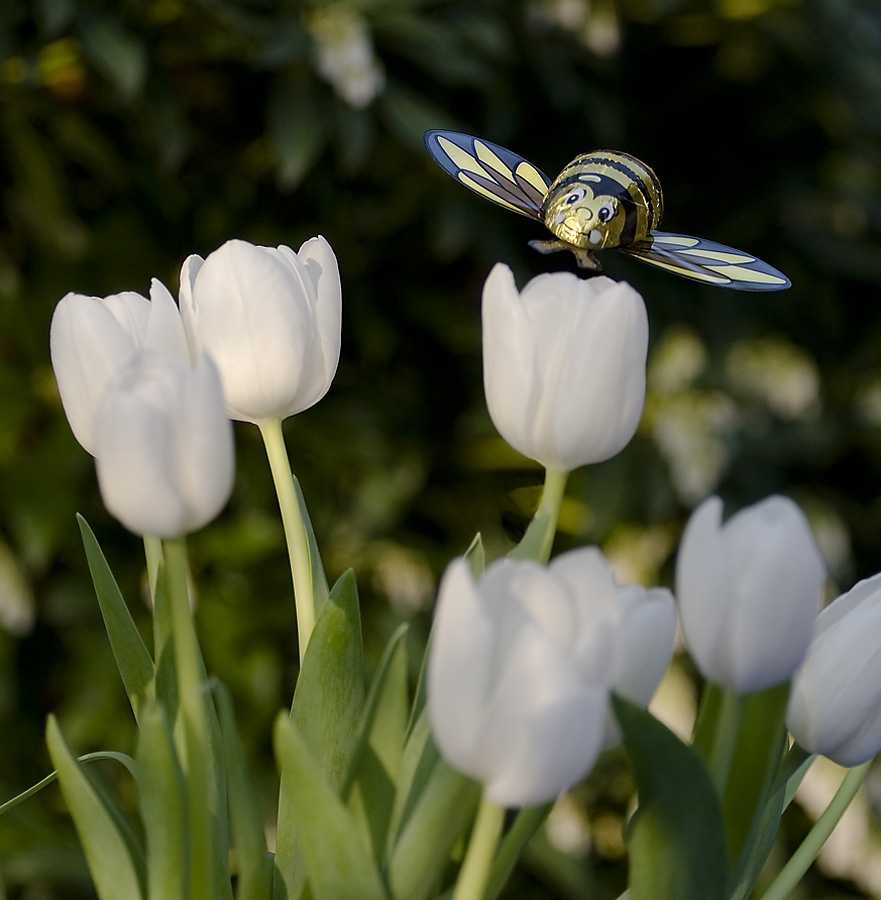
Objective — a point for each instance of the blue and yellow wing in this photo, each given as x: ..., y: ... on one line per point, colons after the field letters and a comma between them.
x: 707, y: 261
x: 490, y: 170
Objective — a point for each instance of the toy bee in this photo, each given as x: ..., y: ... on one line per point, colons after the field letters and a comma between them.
x: 600, y: 200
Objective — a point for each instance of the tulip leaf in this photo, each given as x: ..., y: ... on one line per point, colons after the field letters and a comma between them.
x: 373, y: 766
x: 334, y: 849
x: 320, y: 590
x: 417, y: 761
x: 524, y: 826
x: 751, y: 805
x: 132, y: 657
x: 127, y: 761
x: 162, y: 795
x: 439, y: 818
x: 676, y: 836
x: 115, y: 861
x: 476, y: 555
x: 255, y: 865
x: 326, y: 710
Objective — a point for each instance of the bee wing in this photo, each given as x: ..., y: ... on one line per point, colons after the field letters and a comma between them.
x: 490, y: 170
x: 707, y: 261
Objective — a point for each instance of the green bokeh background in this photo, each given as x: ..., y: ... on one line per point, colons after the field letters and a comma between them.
x: 133, y: 134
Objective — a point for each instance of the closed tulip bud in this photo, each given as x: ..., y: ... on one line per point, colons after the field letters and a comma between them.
x: 748, y: 592
x: 564, y: 365
x: 270, y: 319
x: 519, y: 672
x: 835, y: 704
x: 645, y: 647
x: 91, y: 338
x: 164, y: 446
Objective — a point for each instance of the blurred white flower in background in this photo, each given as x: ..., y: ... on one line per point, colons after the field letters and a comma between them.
x: 345, y: 54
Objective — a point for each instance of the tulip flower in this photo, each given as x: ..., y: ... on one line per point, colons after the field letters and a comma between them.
x: 519, y: 672
x: 270, y: 319
x: 645, y: 647
x: 835, y: 704
x: 91, y: 338
x: 564, y: 365
x: 748, y: 592
x: 164, y: 446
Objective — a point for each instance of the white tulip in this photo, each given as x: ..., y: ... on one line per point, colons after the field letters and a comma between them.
x: 564, y: 365
x: 835, y: 704
x: 748, y: 592
x: 645, y: 647
x: 519, y: 671
x: 270, y: 319
x: 164, y: 446
x: 91, y: 338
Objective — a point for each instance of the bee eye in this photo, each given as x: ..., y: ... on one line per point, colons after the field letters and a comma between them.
x: 605, y: 212
x: 575, y: 196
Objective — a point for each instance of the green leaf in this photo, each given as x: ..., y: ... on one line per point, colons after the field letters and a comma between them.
x: 320, y: 590
x: 127, y: 761
x: 337, y: 857
x: 751, y: 805
x: 676, y: 837
x: 376, y: 757
x: 417, y: 761
x: 132, y: 658
x: 524, y: 826
x: 326, y: 710
x: 254, y: 863
x: 115, y: 861
x: 162, y: 796
x: 476, y: 555
x: 438, y: 820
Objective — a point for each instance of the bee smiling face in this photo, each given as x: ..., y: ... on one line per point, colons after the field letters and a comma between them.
x: 579, y: 216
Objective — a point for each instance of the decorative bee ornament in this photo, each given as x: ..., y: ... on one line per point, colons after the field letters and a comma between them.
x: 600, y: 200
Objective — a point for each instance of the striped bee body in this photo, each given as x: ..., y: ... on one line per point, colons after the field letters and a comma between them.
x: 605, y: 199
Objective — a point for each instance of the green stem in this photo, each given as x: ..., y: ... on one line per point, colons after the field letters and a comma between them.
x: 539, y: 538
x: 474, y: 874
x: 725, y: 740
x: 296, y: 535
x: 801, y: 860
x: 197, y: 762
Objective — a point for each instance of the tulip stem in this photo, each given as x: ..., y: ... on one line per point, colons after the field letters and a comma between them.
x: 294, y: 528
x: 725, y: 740
x: 474, y: 874
x: 188, y: 663
x: 800, y: 861
x: 538, y: 541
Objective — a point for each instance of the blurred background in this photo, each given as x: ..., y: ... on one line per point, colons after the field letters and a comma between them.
x: 133, y: 134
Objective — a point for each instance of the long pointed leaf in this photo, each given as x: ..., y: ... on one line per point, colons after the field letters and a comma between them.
x: 677, y: 836
x: 255, y: 866
x: 375, y: 760
x: 336, y: 854
x: 326, y: 709
x: 438, y: 821
x: 116, y: 864
x: 132, y: 658
x: 162, y: 794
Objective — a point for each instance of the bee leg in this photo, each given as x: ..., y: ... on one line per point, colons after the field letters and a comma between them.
x: 585, y: 258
